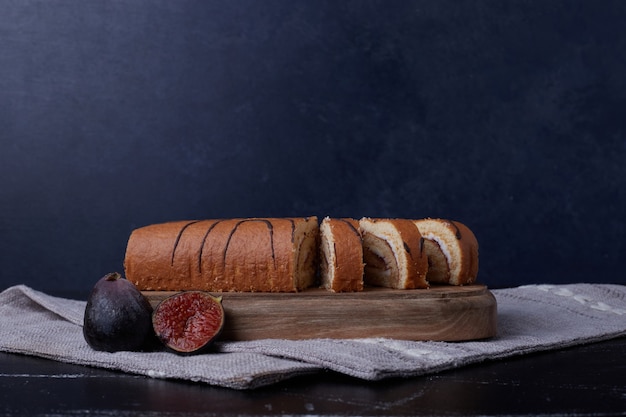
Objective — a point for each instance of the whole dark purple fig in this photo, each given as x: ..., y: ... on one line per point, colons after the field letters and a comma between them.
x: 117, y: 316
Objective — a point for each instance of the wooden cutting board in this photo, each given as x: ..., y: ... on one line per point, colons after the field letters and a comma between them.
x: 440, y: 313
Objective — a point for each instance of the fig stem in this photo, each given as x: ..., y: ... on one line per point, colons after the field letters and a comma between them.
x: 113, y: 276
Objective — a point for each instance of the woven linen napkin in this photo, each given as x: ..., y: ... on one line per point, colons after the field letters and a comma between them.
x: 530, y: 319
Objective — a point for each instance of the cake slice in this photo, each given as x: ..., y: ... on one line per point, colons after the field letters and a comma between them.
x: 452, y: 251
x: 250, y: 254
x: 394, y: 254
x: 341, y: 255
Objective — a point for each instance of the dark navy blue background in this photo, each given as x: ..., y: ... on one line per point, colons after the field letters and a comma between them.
x: 505, y: 115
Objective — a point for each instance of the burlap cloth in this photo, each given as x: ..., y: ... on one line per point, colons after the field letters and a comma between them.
x: 530, y: 319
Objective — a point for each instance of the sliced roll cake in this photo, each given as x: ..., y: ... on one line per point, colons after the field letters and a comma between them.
x: 393, y: 251
x: 452, y: 251
x: 341, y: 255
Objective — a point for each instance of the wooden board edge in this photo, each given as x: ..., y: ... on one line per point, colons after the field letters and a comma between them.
x: 445, y: 314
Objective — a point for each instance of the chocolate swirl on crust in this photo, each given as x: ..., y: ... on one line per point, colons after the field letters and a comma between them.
x: 204, y: 238
x: 407, y: 248
x: 293, y: 230
x: 456, y: 228
x: 270, y: 228
x: 180, y: 233
x: 356, y: 232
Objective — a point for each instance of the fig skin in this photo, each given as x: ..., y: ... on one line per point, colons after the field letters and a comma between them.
x: 188, y: 322
x: 118, y: 316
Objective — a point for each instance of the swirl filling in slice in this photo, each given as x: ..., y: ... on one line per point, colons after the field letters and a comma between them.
x: 452, y: 251
x: 393, y: 251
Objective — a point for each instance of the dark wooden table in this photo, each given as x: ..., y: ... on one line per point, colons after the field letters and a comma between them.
x: 588, y: 380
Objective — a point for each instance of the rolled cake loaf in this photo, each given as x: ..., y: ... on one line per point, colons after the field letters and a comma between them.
x: 394, y: 254
x: 341, y: 255
x: 452, y: 251
x: 253, y: 254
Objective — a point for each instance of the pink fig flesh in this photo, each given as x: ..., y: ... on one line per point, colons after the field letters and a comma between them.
x: 187, y: 322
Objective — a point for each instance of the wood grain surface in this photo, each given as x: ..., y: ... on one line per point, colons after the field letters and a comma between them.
x: 440, y: 313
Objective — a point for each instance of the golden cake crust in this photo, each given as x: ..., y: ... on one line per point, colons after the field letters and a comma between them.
x: 341, y: 255
x: 251, y: 254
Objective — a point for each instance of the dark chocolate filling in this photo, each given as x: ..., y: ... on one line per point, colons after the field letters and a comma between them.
x: 374, y: 261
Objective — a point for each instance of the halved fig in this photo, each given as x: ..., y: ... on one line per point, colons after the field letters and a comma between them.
x: 187, y: 322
